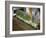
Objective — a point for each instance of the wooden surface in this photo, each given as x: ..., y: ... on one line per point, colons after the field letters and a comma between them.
x: 19, y: 25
